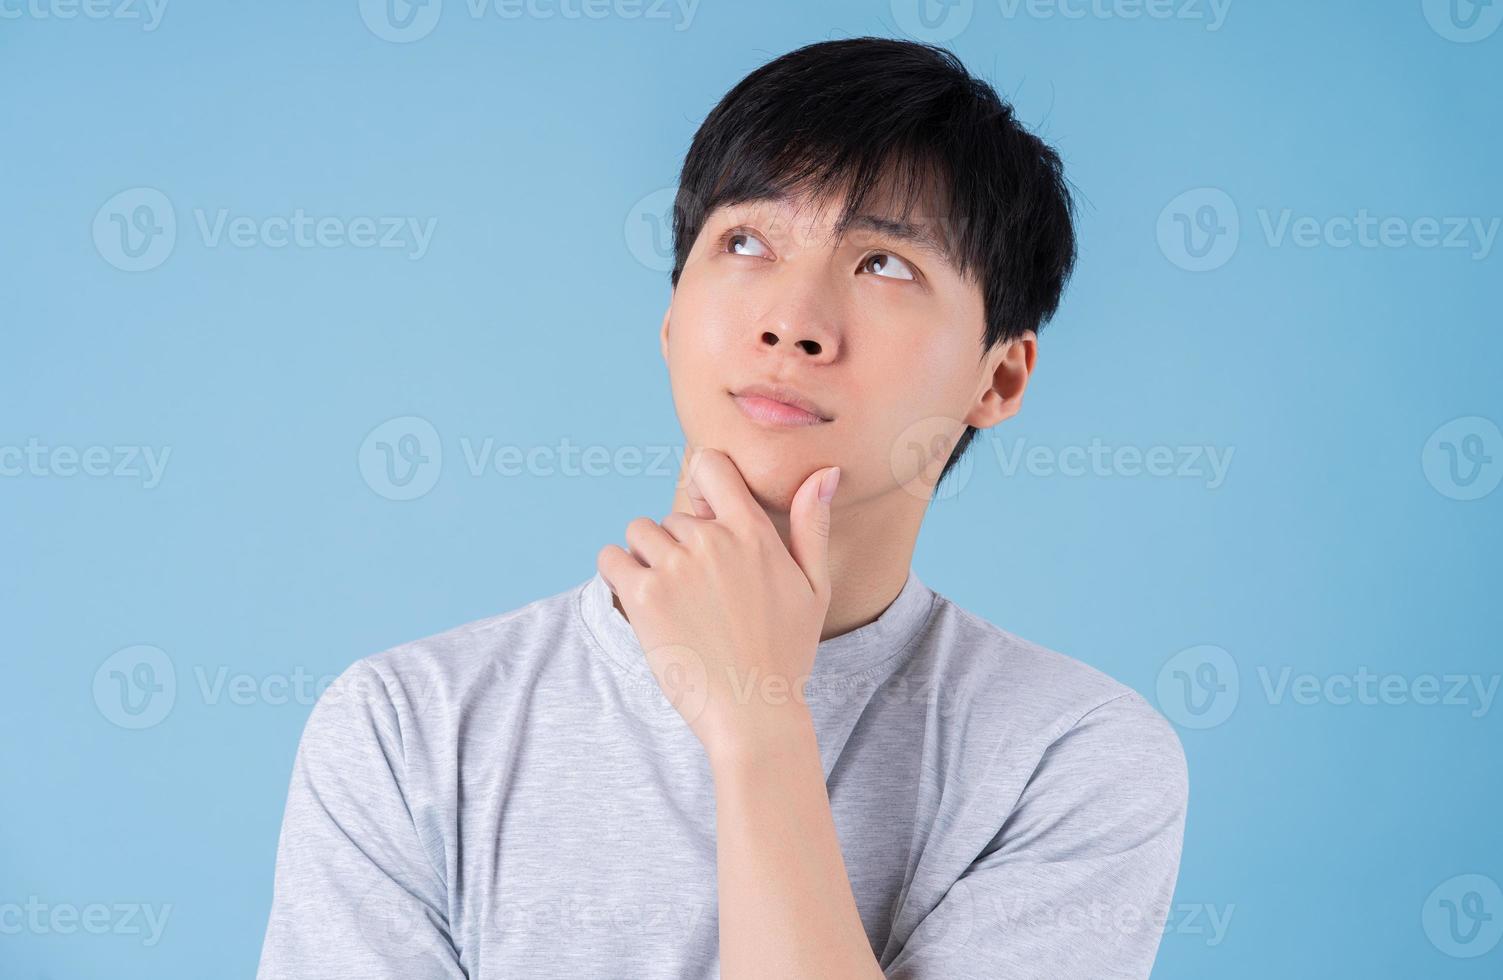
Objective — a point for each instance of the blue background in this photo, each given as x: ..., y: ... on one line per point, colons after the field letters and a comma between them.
x: 272, y: 546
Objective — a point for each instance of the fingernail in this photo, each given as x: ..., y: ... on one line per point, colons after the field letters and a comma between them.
x: 827, y: 485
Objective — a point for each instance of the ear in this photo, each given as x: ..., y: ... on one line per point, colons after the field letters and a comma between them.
x: 1006, y: 376
x: 663, y: 334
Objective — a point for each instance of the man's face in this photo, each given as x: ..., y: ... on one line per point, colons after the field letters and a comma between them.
x: 877, y: 331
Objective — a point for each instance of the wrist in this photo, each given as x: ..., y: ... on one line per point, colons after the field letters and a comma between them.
x: 756, y: 736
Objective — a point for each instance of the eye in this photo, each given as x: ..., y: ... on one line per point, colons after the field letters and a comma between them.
x: 882, y: 262
x: 742, y: 242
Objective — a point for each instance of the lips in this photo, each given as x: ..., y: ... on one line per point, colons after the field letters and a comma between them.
x: 779, y: 404
x: 783, y: 394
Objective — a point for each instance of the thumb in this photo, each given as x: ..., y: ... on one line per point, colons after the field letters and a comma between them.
x: 809, y: 528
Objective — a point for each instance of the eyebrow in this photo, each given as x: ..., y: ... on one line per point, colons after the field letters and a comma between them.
x: 921, y: 236
x: 918, y: 235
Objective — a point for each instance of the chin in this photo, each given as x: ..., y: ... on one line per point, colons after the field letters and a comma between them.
x: 773, y: 474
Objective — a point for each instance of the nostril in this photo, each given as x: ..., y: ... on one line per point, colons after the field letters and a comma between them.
x: 771, y: 338
x: 810, y: 346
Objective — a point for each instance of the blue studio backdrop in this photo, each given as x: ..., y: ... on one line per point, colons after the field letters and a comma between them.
x: 328, y: 326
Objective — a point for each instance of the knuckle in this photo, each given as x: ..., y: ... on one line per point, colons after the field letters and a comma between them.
x: 645, y: 590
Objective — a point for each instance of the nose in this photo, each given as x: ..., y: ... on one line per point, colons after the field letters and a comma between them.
x: 802, y: 323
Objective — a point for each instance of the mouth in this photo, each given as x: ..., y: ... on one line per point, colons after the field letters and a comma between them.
x: 778, y: 405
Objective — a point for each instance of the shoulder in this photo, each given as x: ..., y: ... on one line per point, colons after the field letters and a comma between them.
x: 431, y: 678
x: 1037, y: 702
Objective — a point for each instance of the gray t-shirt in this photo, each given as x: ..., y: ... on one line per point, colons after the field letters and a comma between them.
x: 517, y: 798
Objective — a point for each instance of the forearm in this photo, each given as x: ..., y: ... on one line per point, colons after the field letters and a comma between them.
x: 786, y: 906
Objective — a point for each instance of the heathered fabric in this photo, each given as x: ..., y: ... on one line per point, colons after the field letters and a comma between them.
x: 517, y: 798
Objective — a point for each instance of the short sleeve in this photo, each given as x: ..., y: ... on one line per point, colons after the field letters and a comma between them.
x: 357, y: 893
x: 1078, y: 882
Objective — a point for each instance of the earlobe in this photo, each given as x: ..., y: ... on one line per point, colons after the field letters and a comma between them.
x: 994, y: 409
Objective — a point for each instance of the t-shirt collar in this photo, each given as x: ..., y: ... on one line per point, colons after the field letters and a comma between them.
x: 840, y: 658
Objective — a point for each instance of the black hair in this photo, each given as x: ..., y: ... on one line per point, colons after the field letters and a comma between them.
x: 852, y: 116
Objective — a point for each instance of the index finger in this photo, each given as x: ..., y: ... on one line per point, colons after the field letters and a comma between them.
x: 713, y: 479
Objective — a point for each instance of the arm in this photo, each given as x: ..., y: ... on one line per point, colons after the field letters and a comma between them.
x: 358, y: 893
x: 786, y: 907
x: 721, y: 606
x: 1078, y: 881
x: 1076, y: 885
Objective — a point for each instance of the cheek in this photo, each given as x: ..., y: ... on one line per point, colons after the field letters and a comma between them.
x: 914, y: 398
x: 906, y: 376
x: 706, y: 322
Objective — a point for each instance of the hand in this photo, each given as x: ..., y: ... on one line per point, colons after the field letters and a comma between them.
x: 728, y: 617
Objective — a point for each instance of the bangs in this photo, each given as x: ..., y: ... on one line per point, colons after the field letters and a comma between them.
x: 902, y: 134
x: 878, y: 186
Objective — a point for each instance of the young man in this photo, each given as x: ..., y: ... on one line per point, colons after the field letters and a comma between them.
x: 754, y: 744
